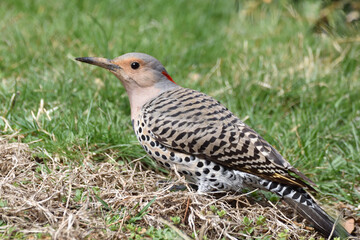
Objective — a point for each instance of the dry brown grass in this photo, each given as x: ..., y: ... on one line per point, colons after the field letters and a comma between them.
x: 44, y: 195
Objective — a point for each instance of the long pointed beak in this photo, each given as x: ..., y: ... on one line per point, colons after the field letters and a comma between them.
x: 101, y: 62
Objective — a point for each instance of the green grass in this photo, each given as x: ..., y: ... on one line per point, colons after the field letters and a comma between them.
x: 299, y: 90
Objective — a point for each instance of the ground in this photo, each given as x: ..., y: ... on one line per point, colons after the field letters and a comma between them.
x: 70, y: 165
x: 112, y: 200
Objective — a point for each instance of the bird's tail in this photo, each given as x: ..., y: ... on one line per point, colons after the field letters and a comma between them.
x: 321, y: 221
x: 303, y: 203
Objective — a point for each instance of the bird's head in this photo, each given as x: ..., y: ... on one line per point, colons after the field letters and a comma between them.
x: 142, y: 75
x: 135, y: 70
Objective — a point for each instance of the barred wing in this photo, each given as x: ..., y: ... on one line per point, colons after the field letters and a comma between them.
x: 194, y: 123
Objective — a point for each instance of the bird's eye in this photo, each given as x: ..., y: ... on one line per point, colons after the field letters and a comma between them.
x: 135, y: 65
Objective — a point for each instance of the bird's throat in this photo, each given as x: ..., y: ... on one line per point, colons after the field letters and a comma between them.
x: 139, y: 96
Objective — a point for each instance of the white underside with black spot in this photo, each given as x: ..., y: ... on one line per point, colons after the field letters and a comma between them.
x: 209, y: 176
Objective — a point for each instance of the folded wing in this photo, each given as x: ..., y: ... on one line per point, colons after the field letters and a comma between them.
x: 194, y: 123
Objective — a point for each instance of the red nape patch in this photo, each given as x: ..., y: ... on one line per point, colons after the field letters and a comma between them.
x: 168, y: 76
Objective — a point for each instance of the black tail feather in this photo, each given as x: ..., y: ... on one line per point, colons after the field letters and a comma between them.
x: 303, y: 203
x: 321, y: 221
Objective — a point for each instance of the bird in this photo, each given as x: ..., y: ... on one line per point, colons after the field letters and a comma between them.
x: 187, y: 131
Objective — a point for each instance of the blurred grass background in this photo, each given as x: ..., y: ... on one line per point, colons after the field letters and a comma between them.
x: 297, y: 88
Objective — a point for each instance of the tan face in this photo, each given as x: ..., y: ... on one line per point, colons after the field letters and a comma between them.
x: 134, y: 71
x: 143, y: 76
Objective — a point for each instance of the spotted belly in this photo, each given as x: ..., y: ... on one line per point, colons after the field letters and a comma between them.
x: 210, y: 176
x: 207, y: 175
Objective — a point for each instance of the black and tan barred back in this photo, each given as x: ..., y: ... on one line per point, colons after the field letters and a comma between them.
x: 191, y: 122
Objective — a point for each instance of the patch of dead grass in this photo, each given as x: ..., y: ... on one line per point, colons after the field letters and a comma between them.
x: 98, y: 199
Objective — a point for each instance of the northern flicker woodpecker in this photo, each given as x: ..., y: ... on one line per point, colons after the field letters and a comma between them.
x: 195, y: 135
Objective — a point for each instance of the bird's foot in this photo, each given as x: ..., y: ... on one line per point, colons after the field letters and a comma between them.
x: 176, y: 187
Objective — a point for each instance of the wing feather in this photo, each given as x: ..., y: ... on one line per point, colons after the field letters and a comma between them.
x: 194, y: 123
